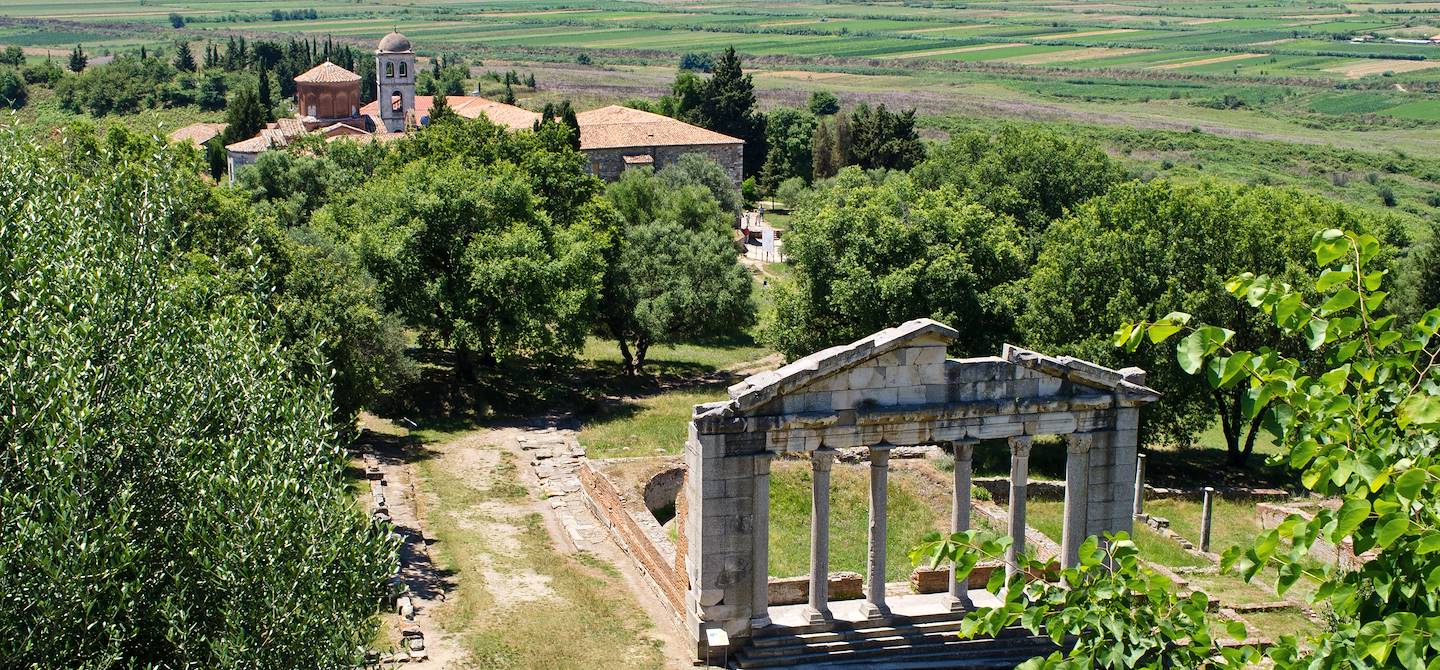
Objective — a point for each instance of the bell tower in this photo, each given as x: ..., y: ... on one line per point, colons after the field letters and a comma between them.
x: 395, y: 81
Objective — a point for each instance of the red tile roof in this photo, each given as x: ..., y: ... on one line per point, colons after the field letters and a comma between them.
x: 616, y: 127
x: 470, y: 107
x: 327, y: 73
x: 199, y: 133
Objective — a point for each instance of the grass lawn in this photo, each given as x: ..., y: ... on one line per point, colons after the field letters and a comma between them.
x: 1234, y: 521
x: 656, y: 425
x: 653, y: 426
x: 711, y: 355
x: 1284, y: 622
x: 911, y: 513
x: 1047, y: 516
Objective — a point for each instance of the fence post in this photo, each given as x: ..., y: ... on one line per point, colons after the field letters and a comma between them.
x: 1205, y: 519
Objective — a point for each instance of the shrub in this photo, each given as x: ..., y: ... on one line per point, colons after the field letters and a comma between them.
x: 13, y: 92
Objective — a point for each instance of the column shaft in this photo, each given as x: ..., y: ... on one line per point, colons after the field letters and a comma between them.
x: 1139, y: 486
x: 875, y: 565
x: 960, y: 518
x: 819, y: 608
x: 1019, y: 481
x: 1077, y: 496
x: 760, y: 550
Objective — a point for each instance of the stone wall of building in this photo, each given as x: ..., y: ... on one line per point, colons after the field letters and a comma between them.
x: 637, y: 533
x: 609, y: 163
x: 240, y: 159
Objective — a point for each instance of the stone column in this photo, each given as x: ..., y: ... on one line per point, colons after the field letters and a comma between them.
x: 875, y: 607
x: 1019, y: 480
x: 964, y: 451
x: 1139, y: 509
x: 760, y: 549
x: 1077, y: 497
x: 818, y: 610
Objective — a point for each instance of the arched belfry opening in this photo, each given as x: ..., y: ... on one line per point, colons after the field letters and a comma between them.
x: 395, y: 72
x: 895, y: 388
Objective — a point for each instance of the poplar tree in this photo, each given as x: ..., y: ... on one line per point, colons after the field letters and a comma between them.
x: 78, y: 59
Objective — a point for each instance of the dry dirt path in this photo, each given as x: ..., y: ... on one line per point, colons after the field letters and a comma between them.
x: 519, y: 572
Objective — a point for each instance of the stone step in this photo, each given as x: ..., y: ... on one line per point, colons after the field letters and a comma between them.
x: 915, y: 639
x: 909, y: 662
x: 976, y: 653
x: 858, y: 633
x: 842, y: 625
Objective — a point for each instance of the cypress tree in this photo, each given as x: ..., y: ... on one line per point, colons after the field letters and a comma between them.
x: 822, y: 152
x: 263, y: 93
x: 78, y: 59
x: 244, y: 116
x: 727, y: 106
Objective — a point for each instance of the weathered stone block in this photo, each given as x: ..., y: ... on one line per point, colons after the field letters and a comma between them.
x: 900, y: 376
x: 865, y: 377
x: 877, y: 397
x: 796, y: 590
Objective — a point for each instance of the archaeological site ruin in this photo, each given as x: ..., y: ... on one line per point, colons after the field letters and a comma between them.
x: 893, y: 389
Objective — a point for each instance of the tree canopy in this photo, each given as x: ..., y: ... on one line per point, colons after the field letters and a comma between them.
x: 789, y: 138
x: 493, y: 251
x: 171, y: 481
x: 1152, y: 248
x: 727, y: 105
x: 869, y: 256
x: 1031, y: 174
x: 672, y: 274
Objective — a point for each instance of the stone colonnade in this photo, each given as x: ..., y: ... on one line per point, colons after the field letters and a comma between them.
x: 822, y: 461
x: 894, y: 388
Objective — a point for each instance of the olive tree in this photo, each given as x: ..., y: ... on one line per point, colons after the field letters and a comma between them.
x: 673, y: 273
x: 868, y: 256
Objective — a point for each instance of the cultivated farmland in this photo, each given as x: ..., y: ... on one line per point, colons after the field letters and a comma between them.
x: 1358, y: 76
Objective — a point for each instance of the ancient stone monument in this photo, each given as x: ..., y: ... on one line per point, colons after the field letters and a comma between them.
x: 893, y: 388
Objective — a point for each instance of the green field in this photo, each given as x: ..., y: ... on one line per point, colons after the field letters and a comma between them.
x: 1287, y: 73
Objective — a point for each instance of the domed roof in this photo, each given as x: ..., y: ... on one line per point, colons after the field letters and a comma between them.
x: 394, y: 43
x: 327, y: 73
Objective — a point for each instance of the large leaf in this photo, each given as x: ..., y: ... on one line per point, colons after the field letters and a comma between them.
x: 1190, y: 354
x: 1421, y: 410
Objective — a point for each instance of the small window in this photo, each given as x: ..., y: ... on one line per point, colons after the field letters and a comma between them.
x: 397, y: 101
x: 402, y: 70
x: 389, y: 70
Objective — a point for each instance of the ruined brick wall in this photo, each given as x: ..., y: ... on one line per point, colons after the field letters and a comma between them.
x: 682, y: 543
x: 637, y: 533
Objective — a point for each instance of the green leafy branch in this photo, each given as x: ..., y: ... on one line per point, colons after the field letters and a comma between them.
x: 1109, y: 611
x: 1361, y: 431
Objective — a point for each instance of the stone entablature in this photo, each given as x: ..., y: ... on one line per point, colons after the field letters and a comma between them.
x: 894, y: 388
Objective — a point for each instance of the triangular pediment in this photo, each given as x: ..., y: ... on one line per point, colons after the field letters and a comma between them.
x: 760, y: 388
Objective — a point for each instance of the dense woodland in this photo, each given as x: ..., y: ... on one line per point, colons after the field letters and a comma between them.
x: 184, y: 359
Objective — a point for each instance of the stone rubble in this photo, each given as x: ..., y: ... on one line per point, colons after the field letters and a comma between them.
x: 412, y: 636
x: 555, y: 456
